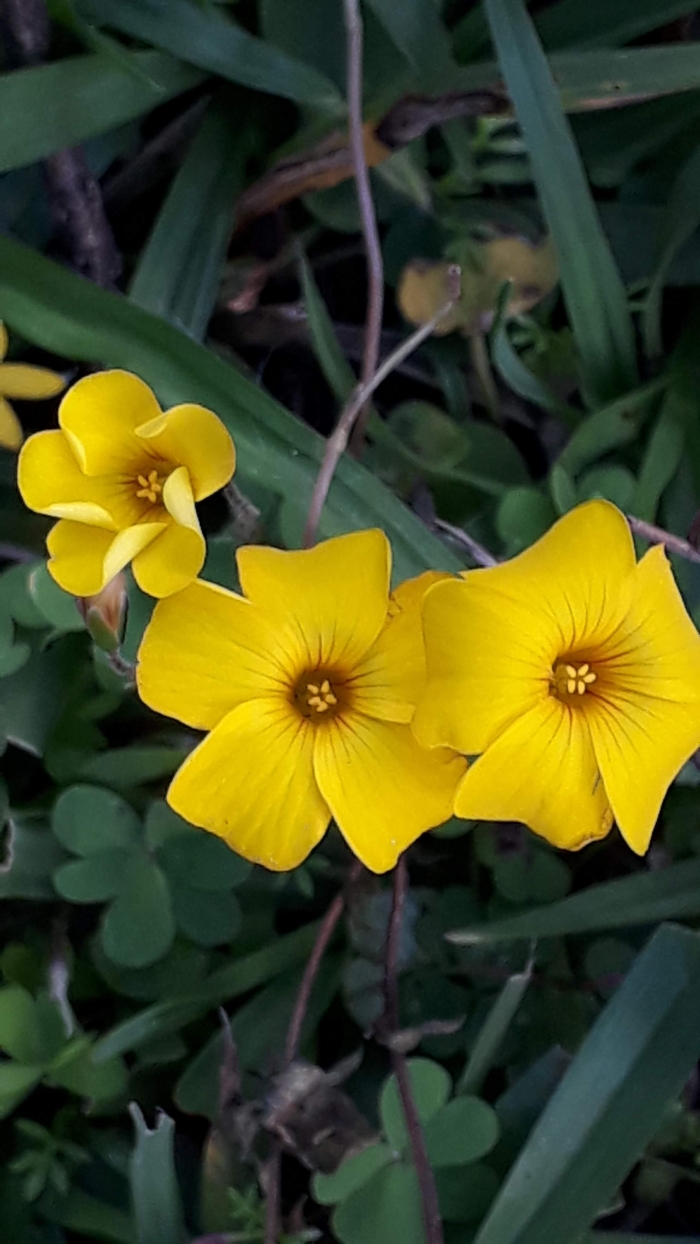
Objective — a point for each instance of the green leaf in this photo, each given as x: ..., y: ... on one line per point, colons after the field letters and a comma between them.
x: 126, y: 767
x: 521, y: 380
x: 99, y: 1083
x: 88, y: 1216
x: 463, y: 1131
x: 31, y: 855
x: 154, y: 1190
x: 614, y: 483
x: 72, y: 317
x: 492, y: 1032
x: 465, y: 1193
x: 600, y: 24
x: 208, y: 917
x: 62, y: 104
x: 16, y: 1082
x: 19, y: 1024
x: 563, y: 489
x: 179, y: 270
x: 200, y: 860
x: 58, y: 608
x: 94, y: 879
x: 139, y: 926
x: 664, y: 449
x: 680, y: 220
x: 89, y: 820
x: 35, y: 698
x: 430, y: 1085
x: 645, y: 898
x: 610, y: 1102
x: 612, y: 427
x: 352, y: 1173
x: 416, y: 28
x: 230, y: 981
x: 594, y: 294
x: 203, y: 36
x: 522, y: 517
x: 385, y: 1210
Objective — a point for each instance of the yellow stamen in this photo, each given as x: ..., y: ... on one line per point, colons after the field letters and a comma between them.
x: 150, y: 486
x: 320, y: 697
x: 572, y: 679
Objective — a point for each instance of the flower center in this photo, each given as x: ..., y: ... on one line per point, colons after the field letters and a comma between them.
x: 572, y: 679
x: 318, y: 696
x: 149, y: 486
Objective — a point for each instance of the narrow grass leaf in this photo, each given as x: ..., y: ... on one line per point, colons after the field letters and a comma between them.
x: 663, y: 452
x: 204, y: 36
x: 49, y: 107
x: 154, y: 1190
x: 416, y: 28
x: 493, y: 1031
x: 632, y: 1064
x: 680, y: 220
x: 611, y: 427
x: 179, y: 271
x: 601, y: 24
x: 593, y: 291
x: 647, y: 897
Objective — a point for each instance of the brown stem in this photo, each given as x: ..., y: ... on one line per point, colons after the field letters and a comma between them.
x: 368, y: 219
x: 476, y: 551
x: 337, y: 441
x: 657, y: 535
x: 426, y: 1181
x: 325, y: 933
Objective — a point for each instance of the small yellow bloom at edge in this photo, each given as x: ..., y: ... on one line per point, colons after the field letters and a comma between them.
x: 122, y: 478
x: 22, y: 381
x: 575, y: 672
x: 306, y: 684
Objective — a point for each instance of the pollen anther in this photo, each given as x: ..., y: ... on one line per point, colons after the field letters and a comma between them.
x: 150, y: 486
x: 573, y: 679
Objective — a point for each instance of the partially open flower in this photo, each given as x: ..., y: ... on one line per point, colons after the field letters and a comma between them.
x: 307, y: 685
x: 23, y: 382
x: 575, y: 670
x: 122, y: 477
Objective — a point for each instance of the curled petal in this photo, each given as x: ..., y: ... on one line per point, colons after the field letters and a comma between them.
x: 171, y: 562
x: 197, y: 439
x: 51, y: 482
x: 251, y: 782
x: 100, y: 414
x: 84, y: 558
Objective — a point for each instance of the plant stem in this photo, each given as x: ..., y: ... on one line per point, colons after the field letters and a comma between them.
x: 657, y: 535
x: 476, y: 551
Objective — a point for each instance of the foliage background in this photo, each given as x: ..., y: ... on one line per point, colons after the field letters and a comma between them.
x: 132, y: 133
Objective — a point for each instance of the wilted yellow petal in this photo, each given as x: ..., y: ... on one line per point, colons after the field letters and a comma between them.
x: 383, y: 789
x: 251, y: 782
x: 423, y: 288
x: 11, y: 435
x: 20, y: 380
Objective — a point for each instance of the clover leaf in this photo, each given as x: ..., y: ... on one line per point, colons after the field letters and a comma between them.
x: 156, y: 878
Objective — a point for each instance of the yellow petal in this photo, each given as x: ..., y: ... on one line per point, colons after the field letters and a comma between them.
x: 251, y: 782
x: 178, y: 499
x: 206, y: 650
x: 51, y: 482
x: 388, y: 681
x: 171, y: 562
x: 3, y: 341
x: 542, y: 771
x: 645, y: 714
x: 488, y: 661
x: 577, y: 577
x: 23, y: 381
x: 336, y: 594
x: 382, y: 788
x: 194, y: 437
x: 11, y: 435
x: 100, y: 415
x: 84, y: 559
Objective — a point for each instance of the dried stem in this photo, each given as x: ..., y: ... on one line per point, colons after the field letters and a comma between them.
x: 368, y: 219
x: 657, y: 535
x: 337, y: 441
x: 426, y: 1181
x: 325, y: 933
x: 476, y: 551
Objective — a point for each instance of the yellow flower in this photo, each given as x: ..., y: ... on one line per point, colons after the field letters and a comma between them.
x: 20, y: 380
x: 307, y: 684
x: 576, y: 671
x: 122, y: 478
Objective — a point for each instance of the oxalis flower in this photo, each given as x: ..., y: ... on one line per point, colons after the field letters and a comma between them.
x: 307, y: 684
x: 122, y: 477
x: 576, y: 672
x: 24, y: 382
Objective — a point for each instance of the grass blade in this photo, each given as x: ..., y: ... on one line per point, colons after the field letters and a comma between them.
x: 681, y: 219
x: 204, y: 36
x: 632, y: 1064
x: 49, y: 107
x: 156, y: 1196
x: 593, y: 291
x: 645, y: 898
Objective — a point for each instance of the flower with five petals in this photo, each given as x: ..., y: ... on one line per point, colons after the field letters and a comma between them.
x: 26, y: 383
x: 575, y: 670
x: 307, y: 683
x: 122, y: 478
